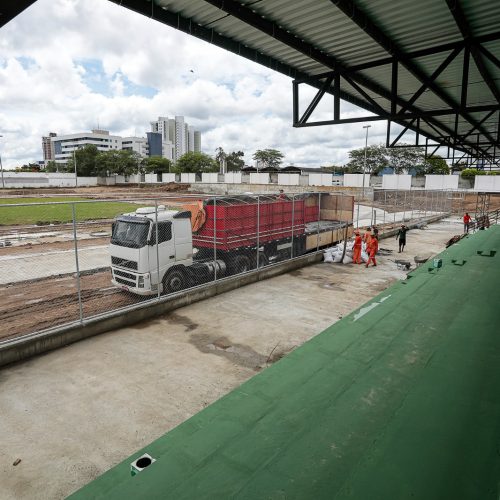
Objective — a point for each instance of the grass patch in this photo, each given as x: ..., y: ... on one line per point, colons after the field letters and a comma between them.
x: 51, y: 213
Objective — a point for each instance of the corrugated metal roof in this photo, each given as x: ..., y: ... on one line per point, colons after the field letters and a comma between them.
x: 305, y: 38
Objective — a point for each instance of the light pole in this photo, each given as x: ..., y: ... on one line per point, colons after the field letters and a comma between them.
x: 364, y: 164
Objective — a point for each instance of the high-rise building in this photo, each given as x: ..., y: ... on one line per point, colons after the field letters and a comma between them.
x: 177, y: 136
x: 48, y: 148
x: 65, y: 145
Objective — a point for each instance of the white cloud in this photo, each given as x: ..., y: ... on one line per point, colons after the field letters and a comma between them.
x: 69, y: 65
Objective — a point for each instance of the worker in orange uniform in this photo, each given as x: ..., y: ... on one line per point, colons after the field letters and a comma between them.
x: 356, y: 249
x: 467, y: 219
x: 372, y: 251
x: 367, y: 237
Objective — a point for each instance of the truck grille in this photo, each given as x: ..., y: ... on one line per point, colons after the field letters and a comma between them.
x: 122, y: 274
x: 118, y: 261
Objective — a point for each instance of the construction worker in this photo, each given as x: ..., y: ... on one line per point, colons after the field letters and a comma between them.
x: 467, y: 219
x: 367, y: 237
x: 402, y: 237
x: 372, y: 251
x: 356, y: 249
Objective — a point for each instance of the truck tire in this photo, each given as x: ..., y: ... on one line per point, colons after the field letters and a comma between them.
x: 241, y: 264
x: 174, y: 281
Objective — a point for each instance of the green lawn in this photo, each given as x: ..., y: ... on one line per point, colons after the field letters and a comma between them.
x: 50, y: 212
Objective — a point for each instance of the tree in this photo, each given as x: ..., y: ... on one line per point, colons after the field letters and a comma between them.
x: 234, y: 161
x: 376, y: 159
x: 52, y: 166
x: 436, y: 165
x: 86, y: 161
x: 403, y: 159
x: 120, y: 162
x: 156, y: 165
x: 220, y: 157
x: 196, y: 162
x: 268, y: 157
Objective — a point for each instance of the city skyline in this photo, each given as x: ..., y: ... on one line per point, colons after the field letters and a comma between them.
x: 103, y: 76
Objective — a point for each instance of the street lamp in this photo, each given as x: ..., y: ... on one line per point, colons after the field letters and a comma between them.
x: 364, y: 164
x: 1, y: 169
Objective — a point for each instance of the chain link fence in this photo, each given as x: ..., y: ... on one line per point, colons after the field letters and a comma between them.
x: 65, y: 262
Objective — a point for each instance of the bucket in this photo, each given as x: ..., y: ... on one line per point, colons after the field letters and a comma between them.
x: 437, y: 263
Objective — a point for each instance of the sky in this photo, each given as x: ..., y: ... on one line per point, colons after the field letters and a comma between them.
x: 69, y: 66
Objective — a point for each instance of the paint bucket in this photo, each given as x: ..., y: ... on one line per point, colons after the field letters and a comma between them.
x: 437, y: 263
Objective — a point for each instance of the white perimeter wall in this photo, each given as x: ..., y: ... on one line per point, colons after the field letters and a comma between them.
x: 392, y: 181
x: 212, y: 178
x: 232, y: 178
x: 356, y: 180
x: 489, y: 183
x: 150, y: 178
x: 288, y: 179
x: 165, y: 177
x: 259, y: 178
x: 188, y: 178
x: 441, y: 181
x: 320, y: 179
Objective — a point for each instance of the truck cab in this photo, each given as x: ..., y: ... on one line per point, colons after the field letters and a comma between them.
x: 141, y: 266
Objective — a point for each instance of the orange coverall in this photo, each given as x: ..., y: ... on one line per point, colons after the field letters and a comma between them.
x: 366, y: 238
x: 356, y: 250
x: 372, y: 250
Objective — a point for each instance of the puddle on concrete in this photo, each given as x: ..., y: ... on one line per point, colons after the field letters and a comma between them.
x: 239, y: 354
x: 178, y: 319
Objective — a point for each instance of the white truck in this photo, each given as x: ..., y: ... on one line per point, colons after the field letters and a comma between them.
x: 227, y: 241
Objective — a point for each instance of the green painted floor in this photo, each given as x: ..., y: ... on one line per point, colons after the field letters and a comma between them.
x: 399, y: 400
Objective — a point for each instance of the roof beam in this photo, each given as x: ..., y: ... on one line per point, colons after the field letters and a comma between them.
x: 351, y: 10
x: 248, y: 16
x: 9, y: 10
x: 463, y: 26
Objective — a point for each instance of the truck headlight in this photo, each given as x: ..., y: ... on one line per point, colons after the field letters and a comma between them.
x: 140, y: 282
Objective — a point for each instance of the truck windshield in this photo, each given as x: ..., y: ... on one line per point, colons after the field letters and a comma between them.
x: 130, y: 234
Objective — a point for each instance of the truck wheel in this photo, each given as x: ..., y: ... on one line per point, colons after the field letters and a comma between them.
x: 241, y: 264
x: 174, y: 281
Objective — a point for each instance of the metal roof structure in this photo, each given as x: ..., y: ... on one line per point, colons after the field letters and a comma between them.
x: 432, y: 67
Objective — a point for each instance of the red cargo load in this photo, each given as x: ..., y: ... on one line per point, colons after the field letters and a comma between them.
x: 237, y: 222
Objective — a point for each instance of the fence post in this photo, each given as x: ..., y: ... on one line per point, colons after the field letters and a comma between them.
x: 385, y: 203
x: 395, y: 205
x: 157, y: 251
x: 77, y: 264
x: 319, y: 218
x: 404, y: 208
x: 215, y: 239
x: 258, y: 231
x: 293, y: 221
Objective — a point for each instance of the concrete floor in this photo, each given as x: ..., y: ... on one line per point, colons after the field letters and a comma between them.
x: 73, y: 413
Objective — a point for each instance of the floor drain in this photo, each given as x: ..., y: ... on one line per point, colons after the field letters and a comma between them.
x: 141, y: 463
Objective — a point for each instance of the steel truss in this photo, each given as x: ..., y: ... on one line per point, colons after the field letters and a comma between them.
x: 351, y: 84
x: 404, y: 112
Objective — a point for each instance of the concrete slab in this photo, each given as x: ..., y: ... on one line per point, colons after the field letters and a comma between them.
x: 14, y: 268
x: 74, y: 413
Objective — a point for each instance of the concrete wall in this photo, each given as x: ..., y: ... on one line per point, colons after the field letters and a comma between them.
x: 37, y: 179
x: 443, y: 182
x: 259, y: 178
x: 232, y: 178
x: 209, y: 177
x: 288, y: 179
x: 356, y: 180
x: 394, y: 181
x: 320, y: 179
x: 150, y: 178
x: 488, y: 183
x: 166, y: 177
x: 188, y: 178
